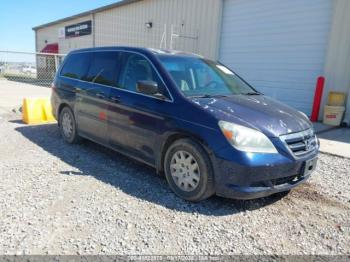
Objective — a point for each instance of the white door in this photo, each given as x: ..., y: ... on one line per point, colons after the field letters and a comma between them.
x: 278, y: 46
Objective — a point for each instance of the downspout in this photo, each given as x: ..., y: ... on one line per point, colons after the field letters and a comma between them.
x: 36, y: 41
x: 347, y: 112
x: 93, y: 30
x: 219, y: 28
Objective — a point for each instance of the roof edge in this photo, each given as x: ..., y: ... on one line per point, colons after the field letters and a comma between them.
x: 93, y: 11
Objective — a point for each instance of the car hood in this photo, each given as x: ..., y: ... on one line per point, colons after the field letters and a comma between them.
x: 257, y: 111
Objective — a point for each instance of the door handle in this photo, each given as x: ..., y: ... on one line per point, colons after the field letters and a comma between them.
x: 115, y: 99
x: 100, y: 95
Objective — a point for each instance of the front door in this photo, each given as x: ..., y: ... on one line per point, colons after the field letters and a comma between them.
x: 136, y: 119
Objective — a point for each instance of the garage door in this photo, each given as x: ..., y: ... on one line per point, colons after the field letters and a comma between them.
x: 279, y: 46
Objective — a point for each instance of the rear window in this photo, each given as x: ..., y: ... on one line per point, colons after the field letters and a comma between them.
x: 76, y: 65
x: 103, y: 69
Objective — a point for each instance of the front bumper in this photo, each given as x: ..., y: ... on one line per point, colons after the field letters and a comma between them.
x: 256, y: 175
x: 253, y: 192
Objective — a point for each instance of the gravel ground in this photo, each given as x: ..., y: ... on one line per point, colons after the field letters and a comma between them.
x: 85, y: 199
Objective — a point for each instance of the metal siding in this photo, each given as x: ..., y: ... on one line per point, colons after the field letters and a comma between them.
x: 278, y: 46
x: 126, y: 25
x: 337, y: 68
x: 50, y: 34
x: 87, y: 13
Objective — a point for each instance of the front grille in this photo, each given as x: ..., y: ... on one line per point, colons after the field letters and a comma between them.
x: 278, y: 181
x: 285, y: 180
x: 301, y: 143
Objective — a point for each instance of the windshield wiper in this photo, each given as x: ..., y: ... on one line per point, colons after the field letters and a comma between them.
x: 207, y: 96
x: 252, y: 94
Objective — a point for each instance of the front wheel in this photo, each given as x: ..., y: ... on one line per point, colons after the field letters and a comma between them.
x: 188, y: 170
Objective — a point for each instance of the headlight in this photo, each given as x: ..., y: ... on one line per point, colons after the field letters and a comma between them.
x: 246, y: 139
x: 317, y: 140
x: 304, y: 114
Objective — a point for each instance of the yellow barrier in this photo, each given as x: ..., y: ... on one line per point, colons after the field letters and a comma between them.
x: 37, y: 110
x: 336, y: 98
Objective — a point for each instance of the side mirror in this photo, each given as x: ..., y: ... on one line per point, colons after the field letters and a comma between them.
x: 147, y: 87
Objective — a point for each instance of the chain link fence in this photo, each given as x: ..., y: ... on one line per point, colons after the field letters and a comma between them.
x: 31, y: 68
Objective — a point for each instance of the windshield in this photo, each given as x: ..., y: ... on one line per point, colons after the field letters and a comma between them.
x: 201, y: 77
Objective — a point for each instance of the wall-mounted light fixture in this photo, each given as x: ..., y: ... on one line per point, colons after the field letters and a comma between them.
x: 149, y: 24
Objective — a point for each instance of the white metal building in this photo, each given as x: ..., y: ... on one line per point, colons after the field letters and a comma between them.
x: 279, y: 46
x: 179, y: 24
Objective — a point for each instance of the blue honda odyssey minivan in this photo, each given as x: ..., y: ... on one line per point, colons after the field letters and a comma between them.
x: 192, y: 119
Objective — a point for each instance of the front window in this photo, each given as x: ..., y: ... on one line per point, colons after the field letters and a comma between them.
x: 137, y: 68
x: 201, y: 77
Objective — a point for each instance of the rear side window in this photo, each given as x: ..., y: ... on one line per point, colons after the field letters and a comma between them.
x: 76, y: 65
x: 103, y: 69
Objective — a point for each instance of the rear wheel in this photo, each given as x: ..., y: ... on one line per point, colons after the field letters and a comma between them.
x: 68, y: 126
x: 188, y: 170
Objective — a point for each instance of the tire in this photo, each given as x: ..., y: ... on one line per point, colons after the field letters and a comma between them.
x: 184, y: 178
x: 66, y: 119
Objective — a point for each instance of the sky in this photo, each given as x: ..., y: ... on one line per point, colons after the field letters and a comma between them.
x: 18, y: 17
